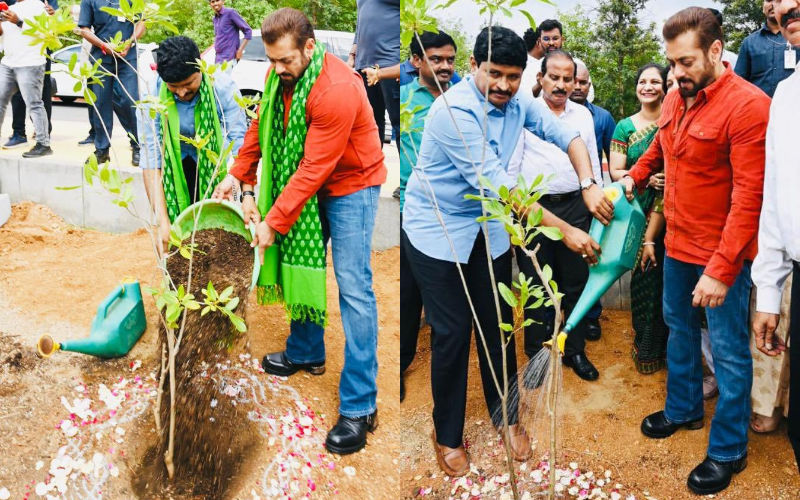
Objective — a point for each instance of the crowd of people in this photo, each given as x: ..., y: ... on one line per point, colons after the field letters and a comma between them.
x: 706, y: 156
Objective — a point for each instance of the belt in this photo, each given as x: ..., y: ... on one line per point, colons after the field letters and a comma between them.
x: 560, y: 196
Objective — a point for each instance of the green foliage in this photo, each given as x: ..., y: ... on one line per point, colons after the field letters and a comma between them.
x: 740, y: 18
x: 613, y: 45
x: 195, y: 19
x: 110, y: 180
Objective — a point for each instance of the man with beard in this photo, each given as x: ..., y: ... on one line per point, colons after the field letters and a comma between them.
x: 534, y: 156
x: 711, y: 147
x: 779, y: 231
x: 435, y: 67
x: 322, y: 168
x: 764, y: 57
x: 548, y: 37
x: 445, y: 171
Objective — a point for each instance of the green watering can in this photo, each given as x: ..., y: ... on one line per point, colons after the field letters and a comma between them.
x: 619, y: 241
x: 118, y: 325
x: 120, y: 320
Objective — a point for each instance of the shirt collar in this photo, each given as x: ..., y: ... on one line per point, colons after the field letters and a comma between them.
x: 590, y: 106
x: 408, y: 67
x: 569, y: 107
x: 766, y: 31
x: 719, y: 84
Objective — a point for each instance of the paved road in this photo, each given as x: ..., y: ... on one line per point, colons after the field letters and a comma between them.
x: 70, y: 125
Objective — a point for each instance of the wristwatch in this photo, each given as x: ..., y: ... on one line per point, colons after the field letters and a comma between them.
x: 246, y: 193
x: 587, y: 183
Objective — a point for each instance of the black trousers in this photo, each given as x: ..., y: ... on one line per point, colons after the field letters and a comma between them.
x: 570, y: 272
x: 794, y: 366
x: 410, y: 306
x: 448, y: 312
x: 385, y: 97
x: 117, y: 104
x: 18, y: 110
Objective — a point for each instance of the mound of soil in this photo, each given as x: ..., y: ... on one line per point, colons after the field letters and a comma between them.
x: 210, y: 430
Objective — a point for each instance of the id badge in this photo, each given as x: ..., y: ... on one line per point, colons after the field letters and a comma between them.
x: 789, y: 59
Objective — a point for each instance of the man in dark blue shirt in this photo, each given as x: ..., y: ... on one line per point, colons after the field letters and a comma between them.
x: 121, y: 63
x: 764, y: 57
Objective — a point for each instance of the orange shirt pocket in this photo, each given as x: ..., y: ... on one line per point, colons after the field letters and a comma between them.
x: 702, y: 146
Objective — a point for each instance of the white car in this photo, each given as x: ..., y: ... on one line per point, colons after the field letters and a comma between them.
x: 65, y: 83
x: 250, y: 72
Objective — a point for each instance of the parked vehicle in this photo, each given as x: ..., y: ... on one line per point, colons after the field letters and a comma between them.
x: 250, y: 71
x: 65, y: 83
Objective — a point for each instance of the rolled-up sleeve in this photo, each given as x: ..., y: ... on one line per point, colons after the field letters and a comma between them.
x: 86, y: 16
x: 545, y: 125
x: 242, y: 25
x: 466, y: 154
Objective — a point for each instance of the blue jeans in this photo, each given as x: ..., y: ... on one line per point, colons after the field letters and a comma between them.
x: 106, y: 102
x: 348, y: 221
x: 729, y: 330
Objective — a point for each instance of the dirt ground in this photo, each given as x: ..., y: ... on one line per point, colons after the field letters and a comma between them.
x: 53, y: 276
x: 599, y: 436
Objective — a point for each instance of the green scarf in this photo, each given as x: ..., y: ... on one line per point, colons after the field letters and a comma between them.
x: 206, y: 123
x: 294, y: 267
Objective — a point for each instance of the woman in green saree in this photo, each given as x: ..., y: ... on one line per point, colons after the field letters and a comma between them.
x: 631, y: 139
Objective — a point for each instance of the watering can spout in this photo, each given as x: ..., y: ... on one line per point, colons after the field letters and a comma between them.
x: 118, y: 325
x: 561, y: 340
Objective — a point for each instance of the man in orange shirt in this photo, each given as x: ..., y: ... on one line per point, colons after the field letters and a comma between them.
x: 710, y: 144
x: 322, y: 168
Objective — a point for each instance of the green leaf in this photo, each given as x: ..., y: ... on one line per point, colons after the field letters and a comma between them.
x: 231, y: 305
x: 552, y: 233
x: 547, y: 273
x: 507, y: 294
x: 206, y: 310
x: 67, y: 188
x: 506, y: 327
x: 238, y: 323
x: 225, y: 294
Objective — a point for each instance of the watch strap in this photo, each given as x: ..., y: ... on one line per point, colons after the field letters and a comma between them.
x: 247, y: 193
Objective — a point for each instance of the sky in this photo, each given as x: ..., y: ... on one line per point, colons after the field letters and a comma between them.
x: 466, y: 12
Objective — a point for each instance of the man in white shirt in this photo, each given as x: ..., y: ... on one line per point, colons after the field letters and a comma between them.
x: 22, y: 68
x: 534, y: 156
x: 779, y: 227
x: 549, y: 36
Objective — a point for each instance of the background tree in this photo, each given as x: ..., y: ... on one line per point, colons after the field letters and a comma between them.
x: 739, y: 19
x: 194, y: 19
x: 613, y: 45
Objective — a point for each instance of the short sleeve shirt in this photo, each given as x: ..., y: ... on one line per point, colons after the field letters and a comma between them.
x: 105, y: 25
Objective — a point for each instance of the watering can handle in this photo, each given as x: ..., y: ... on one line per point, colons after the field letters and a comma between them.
x: 613, y: 192
x: 118, y: 292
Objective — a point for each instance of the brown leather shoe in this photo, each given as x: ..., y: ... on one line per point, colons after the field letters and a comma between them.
x: 453, y: 461
x: 520, y: 442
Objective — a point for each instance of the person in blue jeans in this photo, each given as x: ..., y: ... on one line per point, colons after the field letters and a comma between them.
x: 711, y: 147
x: 328, y: 155
x: 98, y: 27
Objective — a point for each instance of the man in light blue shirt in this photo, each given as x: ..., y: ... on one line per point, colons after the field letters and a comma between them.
x: 177, y: 70
x: 447, y: 170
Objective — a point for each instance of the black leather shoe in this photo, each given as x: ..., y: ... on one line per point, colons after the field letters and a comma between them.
x: 38, y: 150
x: 657, y: 426
x: 712, y: 476
x: 135, y: 157
x: 581, y: 365
x: 276, y: 363
x: 101, y: 155
x: 350, y: 434
x: 593, y: 330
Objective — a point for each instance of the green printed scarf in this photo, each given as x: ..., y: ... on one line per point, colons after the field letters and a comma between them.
x: 206, y: 124
x: 294, y: 267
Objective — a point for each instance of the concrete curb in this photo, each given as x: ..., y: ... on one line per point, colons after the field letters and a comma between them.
x: 90, y: 207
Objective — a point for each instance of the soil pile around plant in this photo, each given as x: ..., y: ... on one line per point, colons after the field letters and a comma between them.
x: 211, y: 431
